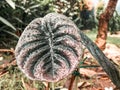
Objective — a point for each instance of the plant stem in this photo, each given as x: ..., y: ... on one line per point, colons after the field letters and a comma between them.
x: 71, y: 82
x: 52, y: 86
x: 76, y: 82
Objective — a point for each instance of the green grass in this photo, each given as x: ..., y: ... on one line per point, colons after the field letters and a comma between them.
x: 112, y: 40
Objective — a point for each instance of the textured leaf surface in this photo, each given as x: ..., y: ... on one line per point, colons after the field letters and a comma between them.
x: 49, y: 49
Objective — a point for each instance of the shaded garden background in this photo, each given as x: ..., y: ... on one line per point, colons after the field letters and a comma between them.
x: 15, y: 15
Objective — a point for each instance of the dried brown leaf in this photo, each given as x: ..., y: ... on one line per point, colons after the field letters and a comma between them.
x: 87, y: 72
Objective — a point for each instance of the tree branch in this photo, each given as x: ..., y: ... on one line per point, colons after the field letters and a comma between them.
x: 103, y: 24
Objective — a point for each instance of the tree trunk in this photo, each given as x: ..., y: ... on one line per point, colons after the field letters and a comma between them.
x: 112, y: 70
x: 103, y: 24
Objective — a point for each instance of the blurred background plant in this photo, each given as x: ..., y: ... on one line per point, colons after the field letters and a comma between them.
x: 69, y: 8
x: 16, y: 14
x: 79, y: 11
x: 114, y: 24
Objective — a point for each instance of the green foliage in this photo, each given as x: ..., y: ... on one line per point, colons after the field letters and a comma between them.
x: 70, y: 8
x: 114, y: 23
x: 11, y: 3
x: 84, y: 19
x: 7, y: 23
x: 16, y: 14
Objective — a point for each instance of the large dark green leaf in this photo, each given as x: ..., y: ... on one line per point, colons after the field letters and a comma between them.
x: 49, y: 49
